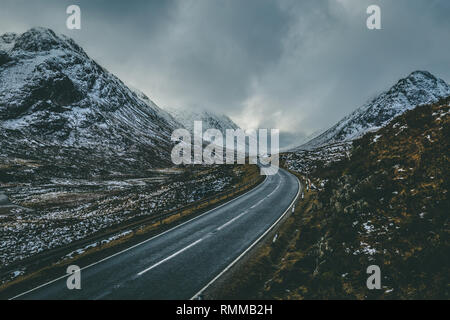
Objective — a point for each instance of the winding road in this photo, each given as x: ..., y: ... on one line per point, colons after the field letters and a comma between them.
x: 181, y: 262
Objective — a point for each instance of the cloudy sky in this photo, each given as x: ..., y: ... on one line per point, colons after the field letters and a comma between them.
x: 295, y: 65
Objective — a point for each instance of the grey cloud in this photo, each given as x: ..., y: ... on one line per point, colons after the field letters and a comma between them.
x: 294, y: 65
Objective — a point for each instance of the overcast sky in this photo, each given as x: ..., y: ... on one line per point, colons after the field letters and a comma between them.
x: 295, y: 65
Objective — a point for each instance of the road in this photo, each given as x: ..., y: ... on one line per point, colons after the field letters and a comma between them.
x: 178, y: 263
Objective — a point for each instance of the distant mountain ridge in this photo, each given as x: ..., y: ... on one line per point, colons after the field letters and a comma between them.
x: 419, y: 88
x: 209, y: 119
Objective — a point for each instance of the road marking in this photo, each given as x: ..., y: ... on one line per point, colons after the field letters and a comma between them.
x: 246, y: 211
x: 141, y: 243
x: 231, y: 221
x: 170, y: 257
x: 274, y: 190
x: 251, y: 246
x: 257, y: 204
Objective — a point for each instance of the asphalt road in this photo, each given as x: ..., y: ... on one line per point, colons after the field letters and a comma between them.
x: 180, y: 262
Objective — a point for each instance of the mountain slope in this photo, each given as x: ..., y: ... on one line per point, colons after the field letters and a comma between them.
x: 52, y: 95
x: 419, y: 88
x: 387, y: 206
x: 209, y: 120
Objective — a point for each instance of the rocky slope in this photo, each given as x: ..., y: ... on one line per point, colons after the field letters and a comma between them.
x: 307, y: 161
x: 386, y: 205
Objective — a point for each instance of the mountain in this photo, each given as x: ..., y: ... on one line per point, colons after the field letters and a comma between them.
x: 419, y: 88
x: 209, y: 119
x: 56, y: 102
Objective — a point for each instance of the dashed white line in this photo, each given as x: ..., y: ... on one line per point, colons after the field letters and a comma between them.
x: 231, y: 221
x: 257, y: 204
x: 170, y: 257
x: 274, y: 190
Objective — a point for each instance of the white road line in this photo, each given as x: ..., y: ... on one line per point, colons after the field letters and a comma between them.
x: 251, y: 246
x: 274, y: 190
x: 231, y: 221
x: 140, y: 243
x: 170, y: 257
x: 257, y: 204
x: 254, y: 206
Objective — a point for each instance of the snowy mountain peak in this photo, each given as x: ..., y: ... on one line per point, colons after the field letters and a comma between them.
x: 420, y: 82
x: 52, y: 93
x: 209, y: 119
x: 418, y: 88
x: 420, y: 74
x: 37, y: 40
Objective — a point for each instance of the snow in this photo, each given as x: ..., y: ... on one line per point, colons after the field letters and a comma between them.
x: 368, y: 227
x: 305, y: 161
x: 17, y: 273
x: 375, y: 139
x: 96, y: 244
x: 209, y: 119
x: 367, y: 249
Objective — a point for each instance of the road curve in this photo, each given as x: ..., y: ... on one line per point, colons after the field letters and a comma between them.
x: 178, y: 263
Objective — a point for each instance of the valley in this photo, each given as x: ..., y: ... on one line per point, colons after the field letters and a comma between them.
x: 86, y: 176
x: 82, y: 156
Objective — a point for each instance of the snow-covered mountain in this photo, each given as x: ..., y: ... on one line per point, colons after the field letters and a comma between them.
x: 53, y: 95
x: 209, y: 119
x: 419, y: 88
